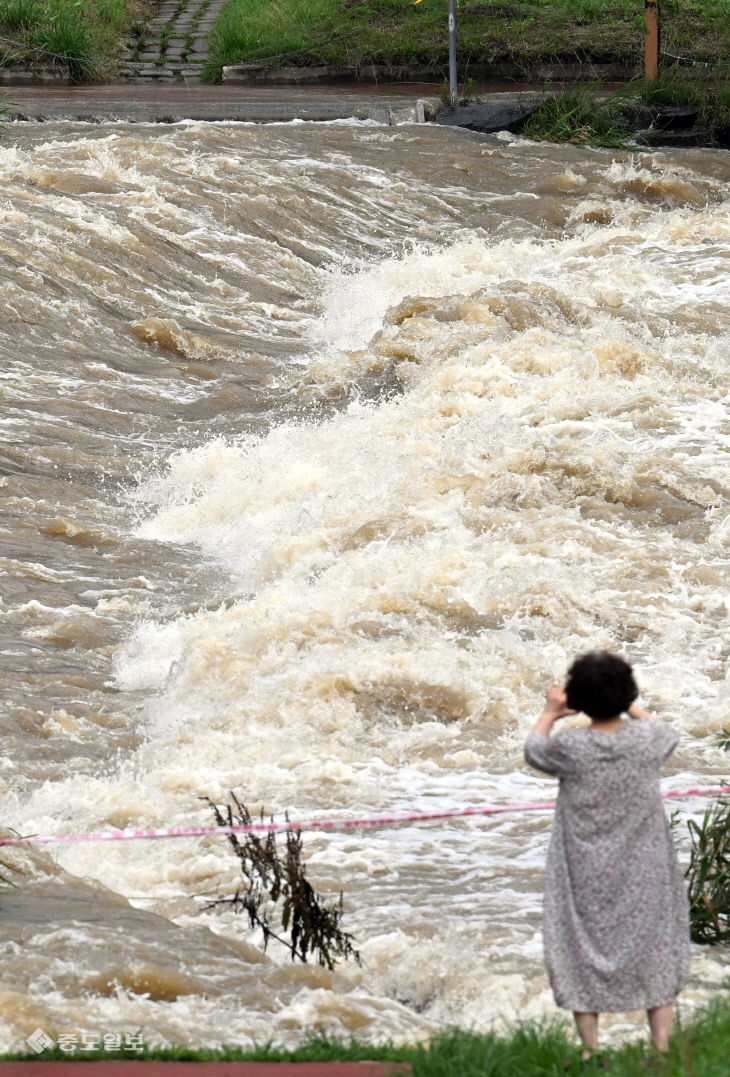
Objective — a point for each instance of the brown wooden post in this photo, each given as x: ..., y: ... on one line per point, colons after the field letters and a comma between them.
x: 651, y: 49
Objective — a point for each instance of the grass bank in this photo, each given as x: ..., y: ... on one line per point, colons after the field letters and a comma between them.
x: 519, y: 33
x: 86, y: 35
x: 701, y: 1049
x: 584, y: 116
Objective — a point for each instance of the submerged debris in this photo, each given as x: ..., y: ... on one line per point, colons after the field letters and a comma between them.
x: 276, y: 877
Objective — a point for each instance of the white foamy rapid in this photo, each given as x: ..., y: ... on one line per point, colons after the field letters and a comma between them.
x: 499, y: 448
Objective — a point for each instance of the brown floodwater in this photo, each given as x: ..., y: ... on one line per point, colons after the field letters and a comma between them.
x: 325, y: 447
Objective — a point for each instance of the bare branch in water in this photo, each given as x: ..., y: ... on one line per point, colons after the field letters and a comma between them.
x: 274, y: 877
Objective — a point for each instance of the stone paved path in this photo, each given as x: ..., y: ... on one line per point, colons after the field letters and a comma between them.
x: 175, y: 42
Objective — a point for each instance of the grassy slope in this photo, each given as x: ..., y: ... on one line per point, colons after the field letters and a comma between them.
x: 86, y: 35
x: 700, y: 1050
x: 344, y: 32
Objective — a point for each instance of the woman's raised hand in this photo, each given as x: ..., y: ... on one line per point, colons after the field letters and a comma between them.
x: 556, y: 702
x: 556, y: 706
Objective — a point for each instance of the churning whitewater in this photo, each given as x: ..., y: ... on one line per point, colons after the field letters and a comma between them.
x: 326, y: 446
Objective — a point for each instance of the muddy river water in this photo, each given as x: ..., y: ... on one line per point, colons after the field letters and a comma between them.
x: 325, y: 447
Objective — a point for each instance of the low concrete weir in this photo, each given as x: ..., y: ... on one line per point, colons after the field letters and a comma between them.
x: 170, y: 102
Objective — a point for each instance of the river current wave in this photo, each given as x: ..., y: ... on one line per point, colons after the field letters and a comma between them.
x: 326, y: 446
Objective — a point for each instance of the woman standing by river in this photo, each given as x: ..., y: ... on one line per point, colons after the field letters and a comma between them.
x: 616, y: 921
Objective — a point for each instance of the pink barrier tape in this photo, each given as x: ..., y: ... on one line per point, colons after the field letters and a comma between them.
x: 319, y: 824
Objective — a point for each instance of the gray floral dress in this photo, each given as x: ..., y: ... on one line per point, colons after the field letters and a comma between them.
x: 616, y: 921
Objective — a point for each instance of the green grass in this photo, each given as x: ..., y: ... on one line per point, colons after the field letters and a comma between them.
x: 21, y: 14
x: 709, y: 874
x: 585, y: 117
x: 577, y: 116
x: 678, y: 86
x: 701, y: 1049
x: 85, y: 34
x: 350, y: 32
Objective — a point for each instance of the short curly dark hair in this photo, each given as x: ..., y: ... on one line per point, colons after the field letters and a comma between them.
x: 601, y: 685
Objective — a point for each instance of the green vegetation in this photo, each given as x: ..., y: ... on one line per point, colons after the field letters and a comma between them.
x: 534, y: 1050
x: 520, y: 32
x: 585, y: 117
x: 577, y: 116
x: 85, y: 34
x: 677, y: 86
x: 708, y: 875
